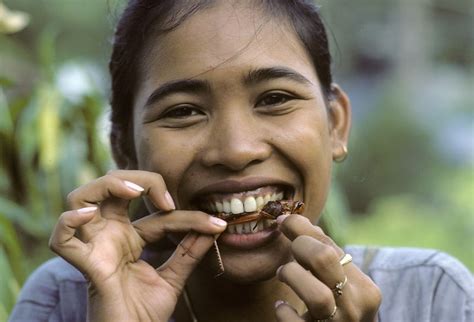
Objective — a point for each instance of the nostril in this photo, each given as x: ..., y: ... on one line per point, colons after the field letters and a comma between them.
x: 236, y: 158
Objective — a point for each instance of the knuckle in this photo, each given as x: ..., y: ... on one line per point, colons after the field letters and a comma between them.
x: 325, y: 257
x: 375, y: 295
x: 108, y: 178
x: 71, y: 198
x: 113, y: 172
x: 53, y: 245
x: 157, y: 177
x: 319, y: 230
x: 300, y: 243
x: 324, y: 305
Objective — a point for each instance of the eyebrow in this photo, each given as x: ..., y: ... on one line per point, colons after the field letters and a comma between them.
x: 201, y: 86
x: 265, y: 74
x: 178, y: 86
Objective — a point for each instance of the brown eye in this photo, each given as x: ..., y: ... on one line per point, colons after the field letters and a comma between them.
x: 274, y: 99
x: 181, y: 112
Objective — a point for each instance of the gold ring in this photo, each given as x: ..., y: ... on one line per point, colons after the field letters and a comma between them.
x: 337, y: 290
x: 346, y: 259
x: 329, y: 318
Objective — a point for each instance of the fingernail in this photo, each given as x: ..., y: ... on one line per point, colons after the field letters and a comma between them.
x: 281, y: 218
x: 217, y: 221
x: 170, y: 201
x: 278, y: 303
x: 134, y: 186
x: 87, y: 210
x: 278, y: 270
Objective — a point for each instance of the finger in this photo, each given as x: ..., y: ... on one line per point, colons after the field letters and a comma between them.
x: 153, y: 184
x: 316, y: 295
x: 187, y: 255
x: 64, y: 243
x: 322, y: 260
x: 154, y: 227
x: 284, y: 312
x: 296, y: 225
x: 102, y: 189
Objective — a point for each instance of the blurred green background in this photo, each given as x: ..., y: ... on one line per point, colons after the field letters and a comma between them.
x: 408, y: 67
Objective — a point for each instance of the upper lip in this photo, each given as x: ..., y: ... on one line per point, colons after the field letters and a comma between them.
x: 240, y: 185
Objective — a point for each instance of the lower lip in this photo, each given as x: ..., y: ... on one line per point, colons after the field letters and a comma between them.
x: 248, y: 241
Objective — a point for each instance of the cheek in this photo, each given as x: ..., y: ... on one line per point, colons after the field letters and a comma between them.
x: 163, y: 154
x: 305, y: 140
x: 308, y: 146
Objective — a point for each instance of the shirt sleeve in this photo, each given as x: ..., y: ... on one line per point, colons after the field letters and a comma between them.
x: 453, y: 299
x: 54, y: 292
x: 423, y: 286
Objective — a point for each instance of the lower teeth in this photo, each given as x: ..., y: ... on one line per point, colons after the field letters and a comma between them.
x: 249, y: 227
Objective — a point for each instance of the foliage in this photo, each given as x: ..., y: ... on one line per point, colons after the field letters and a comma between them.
x: 49, y: 145
x: 441, y: 219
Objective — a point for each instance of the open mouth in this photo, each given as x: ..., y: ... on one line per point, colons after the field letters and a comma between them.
x: 243, y: 207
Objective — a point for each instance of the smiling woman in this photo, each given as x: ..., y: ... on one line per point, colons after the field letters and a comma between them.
x: 227, y: 107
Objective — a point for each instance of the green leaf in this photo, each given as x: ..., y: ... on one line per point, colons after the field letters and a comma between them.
x: 49, y: 101
x: 6, y: 82
x: 6, y: 122
x: 20, y: 216
x: 10, y: 286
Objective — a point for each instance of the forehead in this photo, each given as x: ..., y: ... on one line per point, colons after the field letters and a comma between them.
x: 225, y: 38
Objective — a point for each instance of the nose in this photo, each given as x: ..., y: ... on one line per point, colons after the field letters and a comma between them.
x: 235, y: 142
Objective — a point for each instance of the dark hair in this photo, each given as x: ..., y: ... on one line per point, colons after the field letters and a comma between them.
x: 143, y: 18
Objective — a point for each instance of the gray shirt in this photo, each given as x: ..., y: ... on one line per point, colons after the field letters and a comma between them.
x: 417, y: 285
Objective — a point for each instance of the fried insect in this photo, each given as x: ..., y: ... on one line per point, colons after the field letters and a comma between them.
x: 271, y: 210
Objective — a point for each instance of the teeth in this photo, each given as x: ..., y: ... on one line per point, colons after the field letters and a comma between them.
x: 226, y: 207
x: 266, y: 199
x: 248, y: 227
x: 239, y: 228
x: 260, y: 202
x: 250, y: 204
x: 236, y: 206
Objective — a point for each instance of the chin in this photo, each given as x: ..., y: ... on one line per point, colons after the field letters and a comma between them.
x: 249, y: 266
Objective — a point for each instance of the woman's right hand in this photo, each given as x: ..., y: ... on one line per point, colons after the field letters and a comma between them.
x: 98, y: 238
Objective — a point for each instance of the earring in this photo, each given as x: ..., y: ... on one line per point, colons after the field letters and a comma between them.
x: 343, y: 156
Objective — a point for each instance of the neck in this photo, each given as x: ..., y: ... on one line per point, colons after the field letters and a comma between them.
x: 217, y: 299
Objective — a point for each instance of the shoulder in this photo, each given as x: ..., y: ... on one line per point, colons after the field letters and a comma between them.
x: 50, y: 289
x: 419, y: 282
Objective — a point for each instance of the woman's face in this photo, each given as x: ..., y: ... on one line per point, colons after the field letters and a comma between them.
x: 229, y: 110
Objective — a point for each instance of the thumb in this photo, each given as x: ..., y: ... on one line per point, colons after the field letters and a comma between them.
x: 187, y: 255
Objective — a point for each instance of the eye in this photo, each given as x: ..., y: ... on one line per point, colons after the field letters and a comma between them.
x: 274, y: 99
x: 181, y: 112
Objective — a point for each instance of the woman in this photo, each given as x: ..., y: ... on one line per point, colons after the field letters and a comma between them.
x: 220, y: 106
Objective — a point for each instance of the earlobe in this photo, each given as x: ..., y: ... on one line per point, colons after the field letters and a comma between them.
x: 340, y: 122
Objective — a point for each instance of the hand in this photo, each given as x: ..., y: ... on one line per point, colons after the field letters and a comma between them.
x: 98, y: 238
x: 316, y: 271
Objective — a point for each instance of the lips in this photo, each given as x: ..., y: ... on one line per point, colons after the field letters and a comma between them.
x: 242, y: 199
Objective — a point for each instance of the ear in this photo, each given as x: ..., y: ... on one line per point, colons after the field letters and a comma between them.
x: 340, y: 122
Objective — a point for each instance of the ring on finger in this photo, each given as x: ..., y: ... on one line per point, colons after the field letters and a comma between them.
x: 337, y: 290
x: 345, y: 259
x: 329, y: 318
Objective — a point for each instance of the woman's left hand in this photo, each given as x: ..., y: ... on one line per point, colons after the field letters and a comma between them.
x: 313, y: 276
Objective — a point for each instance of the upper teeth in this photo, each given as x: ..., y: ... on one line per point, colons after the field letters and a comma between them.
x: 249, y: 204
